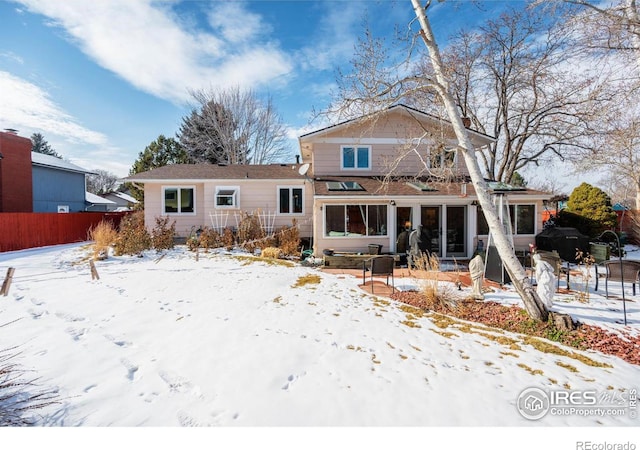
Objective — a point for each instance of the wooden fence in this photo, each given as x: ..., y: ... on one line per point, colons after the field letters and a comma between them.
x: 28, y: 230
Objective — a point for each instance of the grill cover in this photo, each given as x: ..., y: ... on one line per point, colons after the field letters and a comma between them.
x: 564, y: 240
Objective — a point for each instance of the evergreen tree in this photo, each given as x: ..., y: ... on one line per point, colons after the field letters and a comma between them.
x: 161, y: 152
x: 593, y: 208
x: 40, y: 145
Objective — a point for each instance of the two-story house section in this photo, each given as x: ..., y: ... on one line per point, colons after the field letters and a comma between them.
x: 373, y: 177
x: 358, y: 184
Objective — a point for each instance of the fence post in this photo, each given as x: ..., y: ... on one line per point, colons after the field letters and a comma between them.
x: 7, y: 282
x: 94, y: 271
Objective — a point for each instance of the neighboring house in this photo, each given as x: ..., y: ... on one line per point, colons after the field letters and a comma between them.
x: 15, y: 173
x: 121, y: 201
x: 98, y: 204
x: 352, y: 190
x: 58, y: 185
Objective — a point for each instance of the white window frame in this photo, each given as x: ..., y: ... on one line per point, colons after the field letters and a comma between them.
x: 290, y: 188
x: 515, y: 218
x: 355, y: 160
x: 178, y: 188
x: 236, y: 197
x: 326, y: 234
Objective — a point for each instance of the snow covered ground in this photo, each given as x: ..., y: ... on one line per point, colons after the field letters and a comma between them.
x: 229, y: 341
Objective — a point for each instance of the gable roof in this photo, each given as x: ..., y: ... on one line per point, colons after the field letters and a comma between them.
x: 121, y: 196
x: 206, y: 172
x: 42, y: 160
x: 401, y: 108
x: 96, y: 199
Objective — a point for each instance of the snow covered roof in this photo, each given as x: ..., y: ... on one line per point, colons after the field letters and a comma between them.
x: 40, y: 159
x: 97, y: 200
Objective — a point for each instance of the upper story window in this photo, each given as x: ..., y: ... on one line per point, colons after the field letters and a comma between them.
x: 227, y: 197
x: 358, y: 158
x: 290, y: 200
x: 179, y: 200
x: 442, y: 158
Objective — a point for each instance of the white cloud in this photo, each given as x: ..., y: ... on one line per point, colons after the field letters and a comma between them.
x: 26, y: 107
x: 236, y: 23
x: 147, y: 45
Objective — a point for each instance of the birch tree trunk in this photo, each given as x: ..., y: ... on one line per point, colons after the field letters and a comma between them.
x: 533, y: 305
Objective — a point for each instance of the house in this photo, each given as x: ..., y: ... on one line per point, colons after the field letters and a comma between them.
x: 359, y: 182
x: 121, y: 201
x: 58, y: 185
x: 96, y: 203
x: 35, y: 182
x: 15, y: 173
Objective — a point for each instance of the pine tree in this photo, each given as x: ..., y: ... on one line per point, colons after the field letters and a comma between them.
x: 40, y: 145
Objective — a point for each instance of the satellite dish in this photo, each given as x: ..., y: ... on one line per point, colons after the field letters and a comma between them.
x: 303, y: 169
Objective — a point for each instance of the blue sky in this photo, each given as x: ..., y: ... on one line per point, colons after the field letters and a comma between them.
x: 101, y: 79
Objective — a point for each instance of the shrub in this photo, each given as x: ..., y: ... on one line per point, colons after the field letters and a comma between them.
x: 210, y: 238
x: 249, y: 231
x: 271, y: 252
x: 103, y: 236
x: 133, y: 237
x: 593, y: 204
x: 162, y: 234
x: 289, y: 239
x: 227, y: 239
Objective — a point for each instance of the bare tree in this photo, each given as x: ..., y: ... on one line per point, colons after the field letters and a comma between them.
x: 611, y: 25
x: 534, y: 306
x: 101, y: 182
x: 233, y: 127
x: 611, y: 32
x: 515, y: 79
x: 378, y: 82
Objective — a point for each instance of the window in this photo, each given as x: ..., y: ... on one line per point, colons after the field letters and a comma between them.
x: 290, y: 200
x: 355, y: 220
x: 356, y: 158
x: 523, y: 218
x: 344, y: 186
x: 227, y: 197
x: 442, y: 158
x: 179, y: 200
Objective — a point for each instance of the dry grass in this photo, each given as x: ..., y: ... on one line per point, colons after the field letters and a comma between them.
x: 307, y: 280
x: 271, y: 252
x: 103, y: 235
x: 20, y: 398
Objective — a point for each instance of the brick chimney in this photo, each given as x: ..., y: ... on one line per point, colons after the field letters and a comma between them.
x: 16, y: 186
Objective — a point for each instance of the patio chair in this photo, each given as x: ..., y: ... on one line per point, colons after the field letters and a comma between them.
x: 630, y: 271
x: 379, y: 266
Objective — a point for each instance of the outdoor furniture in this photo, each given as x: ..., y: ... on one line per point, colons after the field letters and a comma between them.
x: 379, y: 266
x: 626, y: 271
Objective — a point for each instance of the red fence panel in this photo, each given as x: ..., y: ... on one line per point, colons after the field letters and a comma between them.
x: 28, y: 230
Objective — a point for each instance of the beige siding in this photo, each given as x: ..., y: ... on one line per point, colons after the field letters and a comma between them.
x: 255, y: 196
x: 347, y: 244
x: 387, y: 141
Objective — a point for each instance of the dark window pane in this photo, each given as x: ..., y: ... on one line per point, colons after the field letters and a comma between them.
x: 363, y: 157
x: 284, y: 201
x: 357, y: 219
x: 186, y: 200
x: 334, y: 220
x: 377, y: 220
x: 170, y: 200
x: 526, y: 219
x: 483, y: 227
x: 297, y: 201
